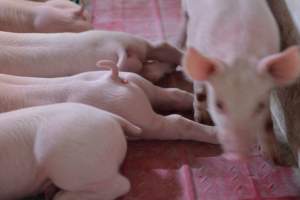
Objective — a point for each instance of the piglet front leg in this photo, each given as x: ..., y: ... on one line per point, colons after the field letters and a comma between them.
x: 269, y: 145
x: 201, y: 114
x: 176, y: 127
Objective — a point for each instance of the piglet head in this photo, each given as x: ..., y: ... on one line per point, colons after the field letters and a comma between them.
x: 238, y: 94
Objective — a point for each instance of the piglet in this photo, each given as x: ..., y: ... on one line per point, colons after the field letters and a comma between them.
x: 51, y: 16
x: 233, y: 56
x: 77, y: 148
x: 125, y: 94
x: 61, y: 54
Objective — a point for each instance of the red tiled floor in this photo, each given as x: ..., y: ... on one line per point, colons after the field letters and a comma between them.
x: 185, y: 170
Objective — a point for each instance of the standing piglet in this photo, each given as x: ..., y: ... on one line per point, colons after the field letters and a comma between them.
x: 51, y: 16
x: 75, y: 147
x: 233, y: 56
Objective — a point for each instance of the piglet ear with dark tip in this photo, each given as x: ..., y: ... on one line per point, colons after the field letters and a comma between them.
x: 197, y: 66
x: 283, y: 67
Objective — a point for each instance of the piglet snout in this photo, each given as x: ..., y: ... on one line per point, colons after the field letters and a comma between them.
x: 235, y: 156
x: 236, y: 146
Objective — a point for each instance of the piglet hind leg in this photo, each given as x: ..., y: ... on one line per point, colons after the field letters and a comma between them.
x: 75, y: 157
x: 120, y: 185
x: 176, y: 127
x: 164, y: 99
x: 269, y: 146
x: 172, y: 99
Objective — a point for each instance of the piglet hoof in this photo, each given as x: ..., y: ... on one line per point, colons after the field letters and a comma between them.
x: 273, y: 157
x: 50, y: 192
x: 203, y: 117
x: 124, y: 81
x: 268, y: 159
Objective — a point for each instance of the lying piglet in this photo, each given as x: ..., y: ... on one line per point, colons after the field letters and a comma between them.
x: 233, y: 57
x: 75, y: 147
x: 52, y: 55
x: 129, y: 96
x: 51, y: 16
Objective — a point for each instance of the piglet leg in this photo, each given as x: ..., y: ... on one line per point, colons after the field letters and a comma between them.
x: 172, y: 99
x: 120, y: 185
x: 269, y: 146
x: 164, y: 99
x: 201, y: 114
x: 176, y: 127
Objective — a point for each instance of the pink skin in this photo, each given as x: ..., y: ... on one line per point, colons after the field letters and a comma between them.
x: 132, y: 101
x: 63, y: 54
x: 237, y: 61
x: 234, y: 130
x: 49, y: 17
x: 64, y: 145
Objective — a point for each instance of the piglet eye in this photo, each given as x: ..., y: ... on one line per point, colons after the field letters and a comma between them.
x: 260, y: 107
x: 220, y: 105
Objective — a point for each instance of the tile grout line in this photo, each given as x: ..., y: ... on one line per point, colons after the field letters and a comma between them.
x: 257, y: 194
x: 122, y: 16
x: 93, y: 10
x: 187, y: 177
x: 159, y: 19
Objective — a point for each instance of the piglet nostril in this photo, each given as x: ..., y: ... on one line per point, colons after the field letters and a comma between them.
x: 232, y: 156
x: 269, y: 125
x: 238, y: 147
x: 201, y: 97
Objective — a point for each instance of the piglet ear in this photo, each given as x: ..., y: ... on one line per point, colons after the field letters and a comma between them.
x: 197, y: 66
x: 283, y: 67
